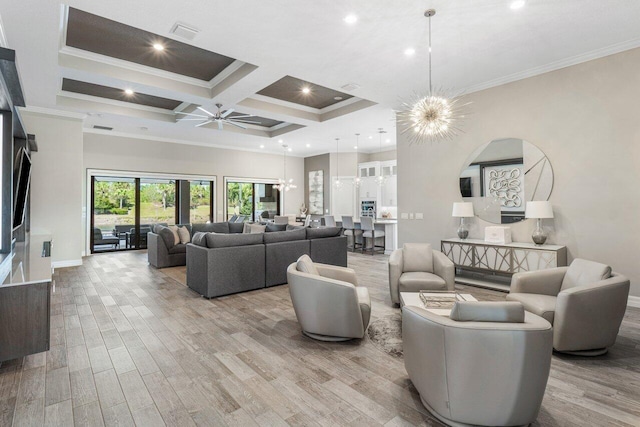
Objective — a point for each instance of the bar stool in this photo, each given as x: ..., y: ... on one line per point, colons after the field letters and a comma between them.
x: 350, y: 230
x: 329, y: 221
x: 369, y: 232
x: 307, y: 221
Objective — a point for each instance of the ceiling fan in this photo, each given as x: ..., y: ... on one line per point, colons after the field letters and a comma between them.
x: 220, y: 117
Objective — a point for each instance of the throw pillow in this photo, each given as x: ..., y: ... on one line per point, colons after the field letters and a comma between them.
x: 176, y: 237
x: 167, y: 237
x: 253, y: 228
x: 183, y: 233
x: 417, y: 257
x: 305, y: 265
x: 276, y: 227
x: 199, y: 238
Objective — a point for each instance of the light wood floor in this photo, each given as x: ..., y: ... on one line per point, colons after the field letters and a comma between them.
x: 132, y: 345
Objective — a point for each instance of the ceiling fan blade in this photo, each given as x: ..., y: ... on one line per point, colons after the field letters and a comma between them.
x: 244, y: 121
x: 204, y: 123
x: 226, y: 113
x: 202, y: 109
x: 220, y: 127
x: 199, y: 118
x: 190, y: 114
x: 235, y: 124
x: 243, y: 116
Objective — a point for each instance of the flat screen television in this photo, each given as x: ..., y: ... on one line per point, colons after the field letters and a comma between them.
x: 21, y: 180
x: 465, y: 187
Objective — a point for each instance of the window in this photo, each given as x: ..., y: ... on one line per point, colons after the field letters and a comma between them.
x: 157, y: 201
x: 200, y: 202
x: 114, y: 212
x: 252, y: 201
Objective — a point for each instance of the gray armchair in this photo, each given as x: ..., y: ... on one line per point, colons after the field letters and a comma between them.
x: 417, y: 267
x: 585, y: 302
x: 329, y: 304
x: 487, y: 364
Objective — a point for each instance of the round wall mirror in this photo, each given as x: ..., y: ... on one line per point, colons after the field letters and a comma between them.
x: 500, y: 177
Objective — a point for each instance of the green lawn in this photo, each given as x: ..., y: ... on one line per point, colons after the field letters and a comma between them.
x: 149, y: 213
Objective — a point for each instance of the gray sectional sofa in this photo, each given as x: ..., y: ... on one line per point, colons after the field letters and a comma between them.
x: 222, y: 264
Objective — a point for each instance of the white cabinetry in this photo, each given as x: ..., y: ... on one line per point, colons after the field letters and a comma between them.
x: 385, y: 195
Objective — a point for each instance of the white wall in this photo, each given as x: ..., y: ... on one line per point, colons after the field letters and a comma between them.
x: 56, y: 184
x: 129, y: 154
x: 585, y: 118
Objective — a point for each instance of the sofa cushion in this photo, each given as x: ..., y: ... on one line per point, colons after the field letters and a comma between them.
x: 415, y: 281
x: 417, y: 257
x: 199, y: 238
x: 215, y: 240
x: 583, y: 272
x: 167, y: 236
x: 174, y: 230
x: 276, y: 227
x: 305, y: 265
x: 318, y: 233
x: 180, y: 248
x: 253, y: 228
x: 541, y: 305
x: 295, y: 227
x: 236, y: 227
x: 365, y: 305
x: 487, y: 311
x: 184, y: 235
x: 285, y: 236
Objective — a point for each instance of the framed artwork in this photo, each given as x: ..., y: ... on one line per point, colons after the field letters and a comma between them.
x: 505, y: 184
x: 316, y: 192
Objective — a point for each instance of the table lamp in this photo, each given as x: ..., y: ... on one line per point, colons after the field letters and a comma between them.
x: 539, y: 211
x: 462, y: 210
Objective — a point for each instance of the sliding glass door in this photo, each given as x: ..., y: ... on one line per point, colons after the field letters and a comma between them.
x: 251, y: 201
x: 114, y: 212
x: 200, y: 202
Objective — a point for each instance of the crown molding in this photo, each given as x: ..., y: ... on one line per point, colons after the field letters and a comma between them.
x: 51, y: 112
x: 557, y: 65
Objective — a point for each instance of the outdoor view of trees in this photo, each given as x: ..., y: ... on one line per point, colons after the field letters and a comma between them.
x: 239, y: 198
x: 114, y: 202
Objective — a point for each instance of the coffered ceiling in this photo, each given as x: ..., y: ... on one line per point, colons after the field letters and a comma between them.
x: 258, y: 57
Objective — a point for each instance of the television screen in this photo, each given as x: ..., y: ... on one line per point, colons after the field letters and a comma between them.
x: 22, y: 177
x: 465, y: 187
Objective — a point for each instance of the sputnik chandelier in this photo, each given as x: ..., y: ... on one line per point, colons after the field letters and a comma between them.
x: 337, y: 183
x: 434, y: 116
x: 284, y: 184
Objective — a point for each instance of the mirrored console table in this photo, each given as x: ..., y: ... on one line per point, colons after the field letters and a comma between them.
x: 491, y: 265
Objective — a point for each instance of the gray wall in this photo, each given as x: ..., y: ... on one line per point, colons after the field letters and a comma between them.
x: 314, y: 163
x: 585, y: 118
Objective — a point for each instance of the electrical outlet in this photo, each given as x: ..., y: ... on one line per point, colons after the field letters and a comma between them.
x: 419, y: 215
x: 404, y: 216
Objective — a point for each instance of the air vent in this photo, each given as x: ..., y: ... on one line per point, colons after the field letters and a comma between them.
x: 350, y: 86
x: 184, y: 31
x: 102, y: 127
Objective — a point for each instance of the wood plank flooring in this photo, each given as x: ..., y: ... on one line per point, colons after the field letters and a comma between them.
x: 131, y: 345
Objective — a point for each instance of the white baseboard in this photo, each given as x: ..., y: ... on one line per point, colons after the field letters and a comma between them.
x: 66, y: 263
x: 634, y: 302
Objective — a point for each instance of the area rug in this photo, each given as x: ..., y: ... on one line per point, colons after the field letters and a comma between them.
x: 386, y: 334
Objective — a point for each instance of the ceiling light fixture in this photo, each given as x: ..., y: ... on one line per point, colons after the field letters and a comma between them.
x: 280, y: 141
x: 284, y: 184
x: 409, y: 51
x: 433, y: 116
x: 337, y: 183
x: 308, y: 145
x: 337, y: 98
x: 381, y: 179
x: 517, y: 4
x: 261, y: 145
x: 158, y: 46
x: 306, y: 90
x: 351, y: 18
x: 129, y: 92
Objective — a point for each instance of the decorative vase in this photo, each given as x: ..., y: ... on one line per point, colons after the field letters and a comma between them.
x: 539, y: 236
x: 463, y: 231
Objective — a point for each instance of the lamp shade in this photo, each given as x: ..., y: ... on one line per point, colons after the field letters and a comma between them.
x: 462, y: 210
x: 538, y: 210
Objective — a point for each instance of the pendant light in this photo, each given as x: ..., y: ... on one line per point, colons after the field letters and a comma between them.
x: 381, y: 179
x: 337, y: 183
x: 357, y: 181
x: 434, y: 116
x: 283, y: 184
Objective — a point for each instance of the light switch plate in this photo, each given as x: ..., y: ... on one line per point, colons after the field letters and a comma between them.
x: 419, y: 215
x: 410, y: 216
x: 404, y: 216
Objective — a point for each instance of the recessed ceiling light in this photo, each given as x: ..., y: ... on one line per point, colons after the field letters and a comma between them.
x: 355, y: 147
x: 370, y: 137
x: 517, y: 4
x: 261, y: 145
x: 289, y: 149
x: 280, y: 141
x: 158, y: 46
x: 351, y: 18
x: 306, y: 90
x: 337, y: 98
x: 308, y: 145
x: 409, y: 51
x: 129, y: 92
x: 387, y: 141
